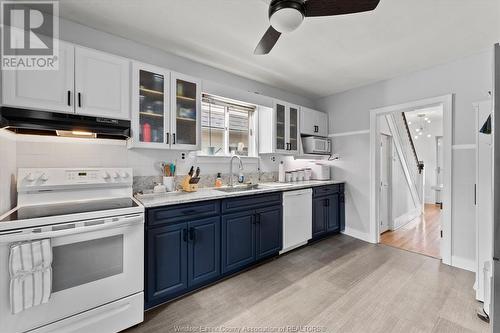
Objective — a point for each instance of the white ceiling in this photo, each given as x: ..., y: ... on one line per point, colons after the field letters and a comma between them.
x: 324, y: 56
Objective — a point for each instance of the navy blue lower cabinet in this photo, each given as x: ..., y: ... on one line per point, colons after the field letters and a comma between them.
x: 328, y: 210
x: 319, y: 217
x: 342, y: 211
x: 269, y: 233
x: 333, y: 213
x: 203, y: 251
x: 167, y: 262
x: 238, y: 240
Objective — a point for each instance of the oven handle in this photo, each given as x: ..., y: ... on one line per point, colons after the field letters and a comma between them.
x: 70, y: 228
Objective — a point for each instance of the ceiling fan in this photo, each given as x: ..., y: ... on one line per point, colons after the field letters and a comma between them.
x: 287, y: 15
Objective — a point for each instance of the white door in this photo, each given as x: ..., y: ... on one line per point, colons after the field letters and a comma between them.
x: 439, y: 167
x: 50, y: 90
x: 484, y: 201
x: 307, y: 121
x: 321, y: 123
x: 102, y: 86
x: 385, y: 176
x: 185, y: 112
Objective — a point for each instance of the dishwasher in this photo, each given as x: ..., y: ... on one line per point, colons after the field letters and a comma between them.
x: 297, y: 218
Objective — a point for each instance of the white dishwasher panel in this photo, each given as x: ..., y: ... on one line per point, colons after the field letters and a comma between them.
x: 297, y: 218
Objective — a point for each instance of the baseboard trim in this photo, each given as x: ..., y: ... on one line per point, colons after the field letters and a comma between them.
x: 404, y: 219
x: 467, y: 264
x: 357, y: 234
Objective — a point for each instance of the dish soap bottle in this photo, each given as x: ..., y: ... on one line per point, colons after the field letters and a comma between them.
x: 218, y: 180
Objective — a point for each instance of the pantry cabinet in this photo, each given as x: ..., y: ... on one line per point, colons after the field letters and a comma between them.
x: 313, y: 122
x: 166, y: 110
x: 279, y: 129
x: 87, y: 82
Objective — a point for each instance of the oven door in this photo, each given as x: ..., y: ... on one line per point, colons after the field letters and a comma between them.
x: 94, y: 262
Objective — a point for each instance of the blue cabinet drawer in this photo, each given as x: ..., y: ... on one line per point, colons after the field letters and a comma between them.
x: 250, y: 202
x: 328, y: 190
x: 183, y: 212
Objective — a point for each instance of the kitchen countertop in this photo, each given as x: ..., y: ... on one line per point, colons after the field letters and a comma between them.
x: 179, y: 197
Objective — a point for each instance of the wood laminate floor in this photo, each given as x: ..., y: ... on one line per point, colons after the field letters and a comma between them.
x: 340, y: 284
x: 420, y: 235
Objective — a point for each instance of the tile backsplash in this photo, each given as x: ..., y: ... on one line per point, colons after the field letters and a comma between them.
x: 146, y: 183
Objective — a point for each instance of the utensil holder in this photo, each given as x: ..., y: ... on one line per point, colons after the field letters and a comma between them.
x: 169, y: 183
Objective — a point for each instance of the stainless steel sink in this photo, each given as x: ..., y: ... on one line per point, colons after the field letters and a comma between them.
x: 239, y: 188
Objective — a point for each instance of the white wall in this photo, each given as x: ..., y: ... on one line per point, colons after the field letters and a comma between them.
x: 469, y: 79
x: 7, y: 171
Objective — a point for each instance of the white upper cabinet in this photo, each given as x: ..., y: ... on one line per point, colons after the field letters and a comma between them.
x: 150, y: 107
x: 166, y: 109
x: 50, y: 90
x: 185, y: 112
x: 279, y: 129
x: 102, y: 83
x: 313, y: 122
x: 87, y: 82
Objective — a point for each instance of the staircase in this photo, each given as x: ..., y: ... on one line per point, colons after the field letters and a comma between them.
x: 405, y: 147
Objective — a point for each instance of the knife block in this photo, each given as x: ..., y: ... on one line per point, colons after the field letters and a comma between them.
x: 186, y: 186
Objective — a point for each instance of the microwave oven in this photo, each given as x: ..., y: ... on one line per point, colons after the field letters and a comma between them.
x: 317, y: 145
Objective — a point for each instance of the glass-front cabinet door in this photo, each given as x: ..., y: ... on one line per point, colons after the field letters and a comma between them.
x: 293, y: 128
x: 185, y: 112
x: 150, y: 107
x: 280, y: 130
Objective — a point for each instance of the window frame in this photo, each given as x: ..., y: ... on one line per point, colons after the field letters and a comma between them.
x: 226, y: 103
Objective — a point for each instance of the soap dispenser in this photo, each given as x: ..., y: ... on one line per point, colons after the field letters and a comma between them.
x: 218, y: 180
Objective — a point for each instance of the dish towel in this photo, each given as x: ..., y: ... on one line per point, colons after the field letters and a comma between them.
x: 30, y: 265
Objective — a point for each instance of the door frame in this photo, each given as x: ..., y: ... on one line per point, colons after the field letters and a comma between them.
x: 389, y: 171
x: 447, y: 102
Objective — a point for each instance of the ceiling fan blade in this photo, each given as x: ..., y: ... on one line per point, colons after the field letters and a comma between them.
x: 338, y: 7
x: 267, y: 42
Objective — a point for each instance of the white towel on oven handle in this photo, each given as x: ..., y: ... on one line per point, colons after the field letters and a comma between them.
x: 30, y: 265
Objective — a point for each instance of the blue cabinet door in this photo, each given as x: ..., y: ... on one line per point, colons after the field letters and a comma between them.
x: 166, y: 261
x: 342, y: 210
x: 238, y: 240
x: 319, y: 216
x: 203, y: 250
x: 269, y: 231
x: 333, y: 216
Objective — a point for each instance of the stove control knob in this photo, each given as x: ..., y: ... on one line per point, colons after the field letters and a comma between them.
x: 105, y: 175
x: 116, y: 175
x: 124, y: 174
x: 29, y: 177
x: 43, y: 177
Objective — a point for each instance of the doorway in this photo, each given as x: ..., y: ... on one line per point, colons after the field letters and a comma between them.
x: 413, y: 212
x: 385, y: 181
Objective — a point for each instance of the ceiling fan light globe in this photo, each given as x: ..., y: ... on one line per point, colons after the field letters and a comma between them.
x: 286, y: 19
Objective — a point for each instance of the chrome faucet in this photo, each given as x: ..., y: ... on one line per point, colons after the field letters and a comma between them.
x: 240, y: 166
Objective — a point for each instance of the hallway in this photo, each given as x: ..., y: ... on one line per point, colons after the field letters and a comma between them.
x: 420, y: 235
